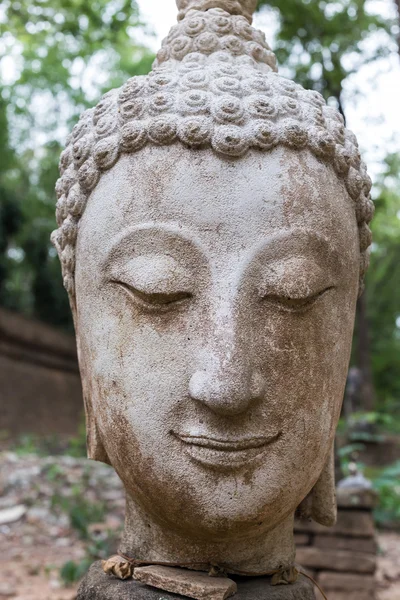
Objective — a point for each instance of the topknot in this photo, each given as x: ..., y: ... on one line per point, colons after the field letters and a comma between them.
x: 214, y: 84
x: 233, y: 7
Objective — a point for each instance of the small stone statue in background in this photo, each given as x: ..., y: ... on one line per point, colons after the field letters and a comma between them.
x: 213, y: 234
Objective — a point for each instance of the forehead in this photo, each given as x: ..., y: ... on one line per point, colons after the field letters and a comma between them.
x: 227, y: 203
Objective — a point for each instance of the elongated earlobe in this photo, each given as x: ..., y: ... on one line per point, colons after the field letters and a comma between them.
x: 94, y: 445
x: 320, y: 504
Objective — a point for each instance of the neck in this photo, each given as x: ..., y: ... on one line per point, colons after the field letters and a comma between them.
x: 147, y: 540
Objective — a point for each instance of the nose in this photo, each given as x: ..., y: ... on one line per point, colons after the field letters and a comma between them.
x: 228, y: 388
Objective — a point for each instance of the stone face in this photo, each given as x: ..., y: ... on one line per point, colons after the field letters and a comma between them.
x: 176, y: 298
x: 336, y: 560
x: 212, y: 232
x: 96, y: 585
x: 187, y: 583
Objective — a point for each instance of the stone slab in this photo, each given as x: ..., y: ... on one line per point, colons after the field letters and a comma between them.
x: 336, y: 560
x: 352, y: 523
x: 346, y: 543
x: 96, y: 585
x: 345, y: 582
x: 194, y: 584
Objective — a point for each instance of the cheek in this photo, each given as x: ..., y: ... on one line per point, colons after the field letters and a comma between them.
x: 304, y: 359
x: 140, y: 363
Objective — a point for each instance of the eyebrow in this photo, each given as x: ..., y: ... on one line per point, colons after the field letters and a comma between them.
x: 169, y: 230
x: 292, y: 241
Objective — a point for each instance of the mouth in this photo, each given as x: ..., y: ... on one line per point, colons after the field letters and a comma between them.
x: 224, y: 452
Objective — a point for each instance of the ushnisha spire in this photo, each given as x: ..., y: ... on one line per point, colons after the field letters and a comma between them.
x: 206, y: 27
x: 233, y: 7
x: 214, y: 86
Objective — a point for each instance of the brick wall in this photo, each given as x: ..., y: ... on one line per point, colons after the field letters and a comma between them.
x: 40, y: 390
x: 342, y: 559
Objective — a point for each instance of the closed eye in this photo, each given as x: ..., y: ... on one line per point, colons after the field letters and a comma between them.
x: 155, y: 300
x: 295, y: 304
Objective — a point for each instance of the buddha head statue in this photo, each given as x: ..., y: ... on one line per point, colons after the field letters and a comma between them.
x: 213, y: 234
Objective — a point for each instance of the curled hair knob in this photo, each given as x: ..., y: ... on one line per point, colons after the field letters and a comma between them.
x: 245, y: 8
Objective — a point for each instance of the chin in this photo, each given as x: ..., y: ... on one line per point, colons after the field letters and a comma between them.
x: 226, y: 525
x: 223, y: 515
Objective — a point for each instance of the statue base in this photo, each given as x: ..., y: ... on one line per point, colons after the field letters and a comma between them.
x: 97, y: 585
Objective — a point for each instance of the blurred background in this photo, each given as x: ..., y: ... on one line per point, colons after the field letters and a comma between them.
x: 58, y: 513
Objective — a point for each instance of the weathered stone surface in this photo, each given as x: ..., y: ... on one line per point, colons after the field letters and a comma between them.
x: 213, y: 228
x: 96, y: 585
x: 329, y: 542
x: 236, y: 7
x: 352, y: 523
x: 193, y: 584
x: 345, y: 582
x: 336, y: 560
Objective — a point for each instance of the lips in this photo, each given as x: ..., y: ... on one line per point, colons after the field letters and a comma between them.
x: 225, y: 452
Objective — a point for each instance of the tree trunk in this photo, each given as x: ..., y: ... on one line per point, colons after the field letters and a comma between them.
x: 363, y: 355
x: 367, y: 392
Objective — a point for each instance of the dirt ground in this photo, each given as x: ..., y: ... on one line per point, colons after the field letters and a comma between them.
x: 56, y: 510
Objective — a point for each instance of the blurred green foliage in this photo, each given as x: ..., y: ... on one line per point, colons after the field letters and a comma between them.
x: 383, y: 288
x: 73, y: 571
x: 60, y: 57
x: 96, y: 548
x: 321, y: 43
x: 387, y: 484
x: 385, y: 481
x: 80, y: 511
x: 48, y: 445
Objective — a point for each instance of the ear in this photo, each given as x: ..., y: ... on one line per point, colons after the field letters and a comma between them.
x: 94, y: 445
x: 320, y: 504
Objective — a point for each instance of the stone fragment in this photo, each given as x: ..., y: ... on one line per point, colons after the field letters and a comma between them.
x: 117, y: 566
x: 346, y: 543
x: 10, y: 515
x: 335, y: 560
x: 193, y: 584
x: 345, y: 582
x: 198, y: 138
